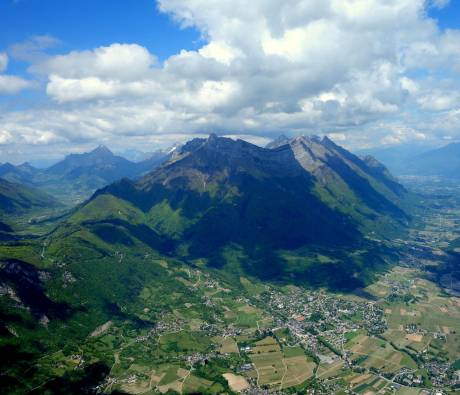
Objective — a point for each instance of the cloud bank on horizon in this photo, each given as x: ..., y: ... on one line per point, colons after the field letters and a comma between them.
x: 365, y: 72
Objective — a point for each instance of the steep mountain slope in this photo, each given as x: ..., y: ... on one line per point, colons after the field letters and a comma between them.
x: 219, y: 196
x: 363, y: 189
x: 444, y: 162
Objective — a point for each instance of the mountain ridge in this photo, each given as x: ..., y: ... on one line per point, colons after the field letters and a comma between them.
x: 218, y: 193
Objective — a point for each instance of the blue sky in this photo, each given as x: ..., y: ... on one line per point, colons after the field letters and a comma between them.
x: 448, y: 17
x: 86, y: 24
x: 125, y: 73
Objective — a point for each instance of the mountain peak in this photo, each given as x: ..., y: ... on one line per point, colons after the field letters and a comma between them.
x: 7, y: 166
x: 326, y: 139
x: 26, y: 166
x: 102, y: 150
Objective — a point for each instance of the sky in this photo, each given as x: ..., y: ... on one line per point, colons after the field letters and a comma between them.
x: 144, y: 74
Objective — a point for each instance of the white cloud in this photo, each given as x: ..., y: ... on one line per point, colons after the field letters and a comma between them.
x: 121, y: 61
x: 5, y: 137
x: 439, y: 101
x: 10, y: 84
x: 440, y: 51
x: 342, y: 67
x: 220, y: 51
x: 337, y: 136
x: 88, y: 88
x: 402, y: 134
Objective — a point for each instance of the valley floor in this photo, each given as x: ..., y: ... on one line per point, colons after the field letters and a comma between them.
x: 400, y: 335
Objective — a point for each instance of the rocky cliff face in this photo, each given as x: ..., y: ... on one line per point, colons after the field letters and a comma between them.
x: 338, y: 176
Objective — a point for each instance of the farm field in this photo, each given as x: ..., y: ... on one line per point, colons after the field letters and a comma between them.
x: 376, y: 353
x: 276, y: 367
x: 420, y: 317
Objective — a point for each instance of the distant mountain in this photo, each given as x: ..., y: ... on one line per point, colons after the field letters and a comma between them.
x: 135, y: 155
x: 92, y: 170
x: 420, y: 159
x: 278, y: 142
x: 397, y: 157
x: 24, y: 174
x: 85, y: 173
x: 444, y: 162
x: 101, y: 160
x: 151, y: 160
x: 78, y: 176
x: 218, y: 194
x: 140, y: 156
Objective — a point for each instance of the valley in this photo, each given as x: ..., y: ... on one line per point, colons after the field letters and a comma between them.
x: 108, y: 299
x: 230, y: 197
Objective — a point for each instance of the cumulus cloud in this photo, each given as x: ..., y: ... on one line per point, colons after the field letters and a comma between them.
x: 272, y: 52
x: 401, y: 134
x: 339, y: 67
x: 120, y: 61
x: 87, y: 88
x: 10, y: 84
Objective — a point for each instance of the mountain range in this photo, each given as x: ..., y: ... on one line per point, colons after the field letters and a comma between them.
x: 420, y: 160
x: 302, y: 211
x: 77, y: 176
x: 443, y: 162
x: 219, y: 197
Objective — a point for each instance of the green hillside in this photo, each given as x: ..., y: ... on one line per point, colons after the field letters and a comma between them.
x: 147, y: 271
x: 16, y: 199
